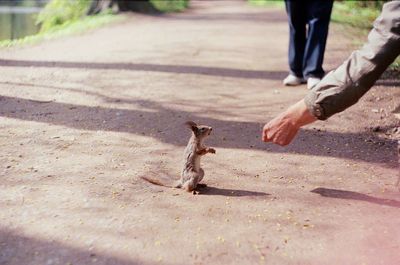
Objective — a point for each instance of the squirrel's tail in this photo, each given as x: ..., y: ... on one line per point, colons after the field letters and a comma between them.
x: 159, y: 183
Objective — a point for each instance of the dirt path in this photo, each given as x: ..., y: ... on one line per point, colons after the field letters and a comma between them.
x: 83, y: 117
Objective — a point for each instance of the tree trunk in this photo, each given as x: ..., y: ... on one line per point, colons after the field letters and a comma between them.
x: 97, y: 6
x: 141, y: 6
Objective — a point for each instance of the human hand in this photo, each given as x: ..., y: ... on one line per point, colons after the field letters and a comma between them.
x: 282, y: 129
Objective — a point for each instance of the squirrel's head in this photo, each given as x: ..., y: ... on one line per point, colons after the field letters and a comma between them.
x: 199, y: 131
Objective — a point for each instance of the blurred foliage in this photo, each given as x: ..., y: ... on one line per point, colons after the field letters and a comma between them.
x: 60, y: 12
x: 270, y: 3
x: 170, y: 5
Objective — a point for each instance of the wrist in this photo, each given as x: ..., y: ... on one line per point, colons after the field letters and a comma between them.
x: 299, y: 115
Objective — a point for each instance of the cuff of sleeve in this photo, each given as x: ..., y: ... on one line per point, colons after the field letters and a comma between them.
x: 314, y: 108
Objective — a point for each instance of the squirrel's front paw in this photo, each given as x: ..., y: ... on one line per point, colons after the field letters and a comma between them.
x: 211, y: 150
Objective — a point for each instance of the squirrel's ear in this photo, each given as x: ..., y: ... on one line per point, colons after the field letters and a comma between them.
x: 191, y: 125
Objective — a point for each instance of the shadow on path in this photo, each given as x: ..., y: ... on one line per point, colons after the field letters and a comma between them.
x: 389, y: 78
x: 19, y: 249
x: 155, y: 120
x: 388, y: 82
x: 164, y: 68
x: 229, y: 192
x: 351, y: 195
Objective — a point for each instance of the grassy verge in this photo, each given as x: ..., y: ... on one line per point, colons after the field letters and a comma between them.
x: 68, y: 28
x: 62, y: 18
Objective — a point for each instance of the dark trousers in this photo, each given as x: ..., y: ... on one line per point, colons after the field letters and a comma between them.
x: 308, y: 24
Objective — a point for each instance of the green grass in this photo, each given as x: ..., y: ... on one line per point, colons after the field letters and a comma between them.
x: 60, y: 12
x: 396, y: 66
x: 66, y: 29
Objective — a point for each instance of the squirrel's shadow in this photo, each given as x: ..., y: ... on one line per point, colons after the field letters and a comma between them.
x: 229, y: 192
x: 352, y: 195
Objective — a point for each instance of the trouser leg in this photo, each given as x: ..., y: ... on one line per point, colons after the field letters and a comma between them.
x: 318, y: 17
x: 297, y: 35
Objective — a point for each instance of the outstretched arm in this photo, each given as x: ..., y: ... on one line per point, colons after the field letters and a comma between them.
x: 344, y: 86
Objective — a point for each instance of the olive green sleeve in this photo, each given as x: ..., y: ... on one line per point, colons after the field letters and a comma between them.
x: 344, y: 86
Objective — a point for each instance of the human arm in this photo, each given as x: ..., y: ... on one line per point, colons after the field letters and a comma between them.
x: 344, y: 86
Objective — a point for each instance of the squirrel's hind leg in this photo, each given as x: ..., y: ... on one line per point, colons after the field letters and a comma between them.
x: 191, y: 184
x: 200, y: 174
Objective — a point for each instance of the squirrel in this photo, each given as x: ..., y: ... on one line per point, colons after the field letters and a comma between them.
x: 192, y: 173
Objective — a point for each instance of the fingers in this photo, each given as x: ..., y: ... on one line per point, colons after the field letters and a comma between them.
x: 264, y: 136
x: 279, y: 132
x: 283, y: 142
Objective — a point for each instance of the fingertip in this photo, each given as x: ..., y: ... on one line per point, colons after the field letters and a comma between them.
x: 266, y: 139
x: 264, y: 134
x: 283, y: 143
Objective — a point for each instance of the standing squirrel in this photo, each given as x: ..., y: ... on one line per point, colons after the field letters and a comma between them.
x: 192, y: 173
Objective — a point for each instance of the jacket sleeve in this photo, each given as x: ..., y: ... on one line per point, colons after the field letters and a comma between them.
x: 344, y: 86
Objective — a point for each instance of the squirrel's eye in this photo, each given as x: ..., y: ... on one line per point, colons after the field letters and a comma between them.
x: 203, y: 129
